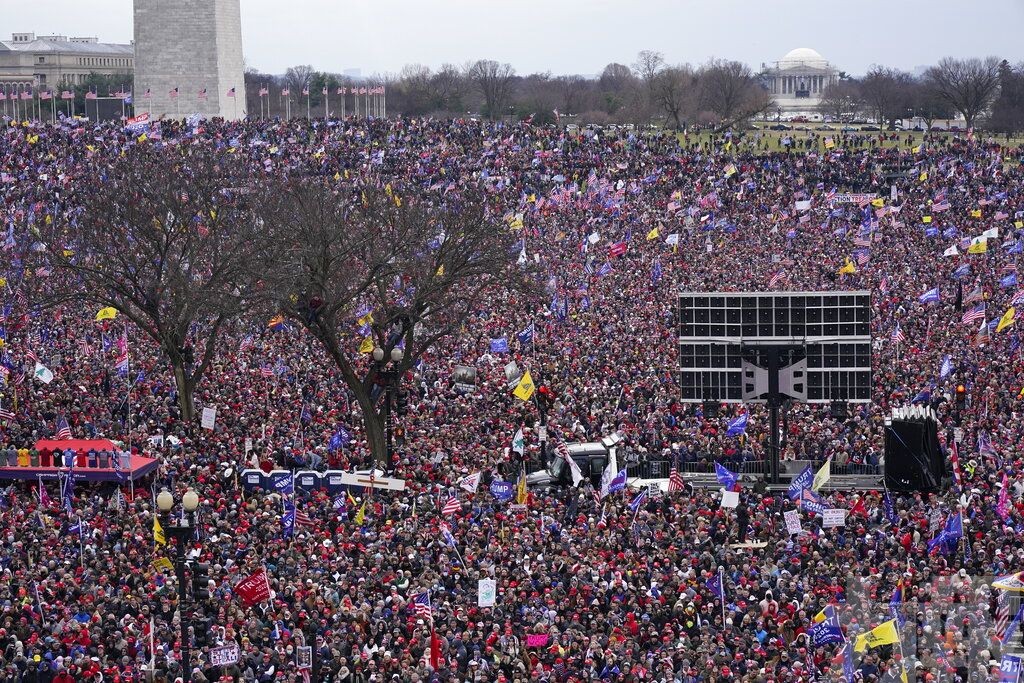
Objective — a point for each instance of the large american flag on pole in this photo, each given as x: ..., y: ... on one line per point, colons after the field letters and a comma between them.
x: 675, y: 480
x: 1002, y: 614
x: 63, y: 430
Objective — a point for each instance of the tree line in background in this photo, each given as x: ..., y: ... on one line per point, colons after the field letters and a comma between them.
x: 718, y: 94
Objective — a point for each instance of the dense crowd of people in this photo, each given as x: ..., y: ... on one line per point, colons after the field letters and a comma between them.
x: 613, y: 589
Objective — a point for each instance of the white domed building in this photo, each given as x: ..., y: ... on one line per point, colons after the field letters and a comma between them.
x: 797, y: 81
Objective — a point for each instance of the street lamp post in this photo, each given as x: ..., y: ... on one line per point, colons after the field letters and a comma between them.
x: 390, y: 377
x: 181, y: 532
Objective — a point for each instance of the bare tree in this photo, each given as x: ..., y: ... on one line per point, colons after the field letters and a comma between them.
x: 675, y: 93
x: 448, y: 87
x: 886, y: 93
x: 414, y: 88
x: 376, y: 268
x: 494, y: 81
x: 1008, y: 108
x: 647, y: 66
x: 616, y: 78
x: 839, y: 99
x: 968, y: 85
x: 730, y: 90
x: 164, y: 239
x: 298, y: 77
x: 573, y: 89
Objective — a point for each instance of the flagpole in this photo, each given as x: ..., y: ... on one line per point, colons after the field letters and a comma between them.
x: 721, y: 582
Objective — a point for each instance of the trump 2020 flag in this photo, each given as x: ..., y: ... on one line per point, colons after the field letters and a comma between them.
x: 737, y: 426
x: 827, y: 631
x: 502, y: 490
x: 714, y: 585
x: 499, y: 345
x: 931, y: 296
x: 800, y: 482
x: 725, y: 476
x: 254, y: 589
x: 947, y: 366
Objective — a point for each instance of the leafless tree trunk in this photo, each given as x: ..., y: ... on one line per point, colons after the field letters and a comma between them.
x: 494, y: 81
x: 381, y: 268
x: 166, y: 241
x: 968, y: 85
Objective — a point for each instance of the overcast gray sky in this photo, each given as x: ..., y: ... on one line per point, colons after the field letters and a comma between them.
x: 575, y: 36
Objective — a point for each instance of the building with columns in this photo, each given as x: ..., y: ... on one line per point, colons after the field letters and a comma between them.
x: 31, y: 62
x: 797, y: 81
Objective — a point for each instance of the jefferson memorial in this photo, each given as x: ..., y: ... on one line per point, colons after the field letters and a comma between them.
x: 797, y: 81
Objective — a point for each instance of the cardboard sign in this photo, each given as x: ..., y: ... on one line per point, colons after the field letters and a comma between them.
x: 487, y: 590
x: 225, y: 655
x: 730, y: 499
x: 833, y: 517
x: 209, y: 418
x: 792, y: 518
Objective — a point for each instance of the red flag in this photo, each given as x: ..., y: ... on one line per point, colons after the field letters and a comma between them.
x: 617, y: 249
x: 435, y: 650
x: 254, y: 589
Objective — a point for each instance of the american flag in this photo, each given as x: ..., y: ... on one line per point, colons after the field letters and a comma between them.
x: 675, y: 480
x: 302, y: 519
x: 92, y: 96
x: 264, y: 91
x: 897, y: 335
x: 421, y: 605
x: 883, y: 286
x: 1008, y: 268
x: 31, y: 355
x: 974, y: 315
x: 305, y: 90
x: 148, y: 95
x: 202, y: 94
x: 862, y: 256
x: 775, y: 280
x: 562, y: 450
x: 6, y: 414
x: 451, y: 507
x: 45, y: 95
x: 286, y: 92
x: 267, y: 371
x: 1018, y: 298
x: 5, y: 373
x: 231, y: 93
x: 341, y: 91
x: 173, y: 93
x: 63, y: 430
x: 122, y: 364
x: 67, y: 95
x: 1002, y: 614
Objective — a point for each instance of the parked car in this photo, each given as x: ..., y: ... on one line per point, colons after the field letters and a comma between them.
x: 591, y: 457
x: 848, y: 129
x: 873, y: 129
x: 780, y: 126
x: 826, y: 127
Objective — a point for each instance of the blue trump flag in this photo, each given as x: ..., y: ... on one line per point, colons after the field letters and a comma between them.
x: 800, y: 482
x: 827, y: 631
x: 714, y: 585
x: 499, y: 345
x: 502, y: 490
x: 1009, y: 281
x: 931, y: 296
x: 526, y: 335
x: 947, y: 366
x: 737, y: 426
x: 288, y: 521
x: 725, y: 477
x: 656, y: 271
x: 890, y: 511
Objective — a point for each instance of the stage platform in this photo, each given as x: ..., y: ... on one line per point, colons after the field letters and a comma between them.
x: 140, y: 468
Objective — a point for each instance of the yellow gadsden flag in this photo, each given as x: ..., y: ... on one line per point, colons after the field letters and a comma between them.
x: 848, y: 268
x: 885, y: 633
x: 1007, y: 320
x: 524, y: 390
x: 158, y: 533
x: 108, y: 313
